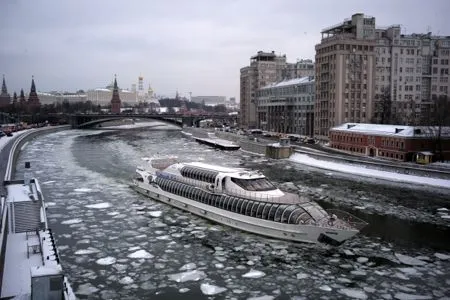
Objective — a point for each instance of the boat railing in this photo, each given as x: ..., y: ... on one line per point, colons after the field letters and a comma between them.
x: 338, y: 218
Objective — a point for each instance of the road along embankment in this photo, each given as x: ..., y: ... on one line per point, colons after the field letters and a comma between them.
x: 17, y: 145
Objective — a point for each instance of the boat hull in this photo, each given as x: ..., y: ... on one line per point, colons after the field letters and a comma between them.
x: 291, y: 232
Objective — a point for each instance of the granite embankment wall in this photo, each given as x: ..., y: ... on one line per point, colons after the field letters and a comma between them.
x: 22, y: 140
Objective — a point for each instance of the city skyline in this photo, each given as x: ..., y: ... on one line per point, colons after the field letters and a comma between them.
x: 175, y: 46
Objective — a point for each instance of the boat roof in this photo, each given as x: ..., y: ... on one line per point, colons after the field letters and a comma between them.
x: 235, y: 172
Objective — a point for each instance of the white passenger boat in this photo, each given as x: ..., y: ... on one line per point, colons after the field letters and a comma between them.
x: 244, y: 200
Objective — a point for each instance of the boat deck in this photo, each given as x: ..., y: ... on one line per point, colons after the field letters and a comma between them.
x: 18, y: 263
x: 219, y: 143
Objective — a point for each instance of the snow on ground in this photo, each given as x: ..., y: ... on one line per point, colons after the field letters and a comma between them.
x: 363, y: 171
x: 6, y: 139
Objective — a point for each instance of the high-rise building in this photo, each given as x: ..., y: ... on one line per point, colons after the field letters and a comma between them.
x: 5, y: 98
x: 412, y: 71
x: 366, y: 74
x: 345, y: 64
x: 265, y: 68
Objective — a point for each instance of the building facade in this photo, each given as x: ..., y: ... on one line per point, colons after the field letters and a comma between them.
x: 378, y: 75
x: 412, y: 71
x: 345, y: 61
x: 57, y: 97
x: 287, y: 106
x: 302, y: 68
x: 398, y: 142
x: 102, y: 96
x: 265, y: 68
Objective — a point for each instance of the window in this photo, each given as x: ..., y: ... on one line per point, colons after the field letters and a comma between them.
x: 257, y: 184
x: 56, y: 284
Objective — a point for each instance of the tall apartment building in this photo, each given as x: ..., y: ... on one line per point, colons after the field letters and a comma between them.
x: 345, y: 61
x: 287, y: 106
x: 412, y: 71
x: 265, y: 68
x: 366, y: 74
x: 301, y: 68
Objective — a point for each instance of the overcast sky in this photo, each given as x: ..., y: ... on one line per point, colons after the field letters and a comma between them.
x: 189, y: 45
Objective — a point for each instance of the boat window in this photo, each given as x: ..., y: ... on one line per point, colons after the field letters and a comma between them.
x: 260, y: 209
x: 279, y: 212
x: 271, y: 214
x: 303, y: 218
x: 248, y: 208
x: 234, y: 204
x: 265, y: 211
x: 286, y: 213
x: 223, y: 183
x: 242, y: 206
x: 256, y: 184
x: 254, y: 208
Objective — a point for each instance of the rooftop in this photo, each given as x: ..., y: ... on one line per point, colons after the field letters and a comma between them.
x: 392, y: 130
x: 290, y: 82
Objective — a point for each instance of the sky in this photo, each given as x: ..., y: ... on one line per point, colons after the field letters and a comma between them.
x: 195, y: 46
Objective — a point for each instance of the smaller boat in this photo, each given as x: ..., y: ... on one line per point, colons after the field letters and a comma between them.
x: 218, y: 143
x: 243, y: 199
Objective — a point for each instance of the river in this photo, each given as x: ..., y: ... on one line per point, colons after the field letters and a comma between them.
x: 117, y: 244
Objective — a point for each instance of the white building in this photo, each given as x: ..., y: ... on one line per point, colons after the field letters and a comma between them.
x: 103, y: 96
x: 55, y: 97
x: 209, y: 100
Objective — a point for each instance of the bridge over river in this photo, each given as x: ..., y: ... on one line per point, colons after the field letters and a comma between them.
x: 81, y: 121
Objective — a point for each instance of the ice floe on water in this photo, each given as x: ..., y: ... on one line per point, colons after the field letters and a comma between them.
x: 155, y: 214
x: 353, y: 293
x: 82, y: 190
x: 99, y: 205
x: 408, y: 260
x: 86, y: 289
x: 126, y: 280
x: 106, y: 261
x: 193, y: 275
x: 72, y: 221
x: 442, y: 256
x: 140, y: 254
x: 404, y: 296
x: 254, y: 274
x: 86, y: 251
x: 209, y: 289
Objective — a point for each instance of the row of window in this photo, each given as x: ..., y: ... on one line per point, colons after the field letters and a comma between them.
x: 390, y: 155
x: 348, y: 148
x: 199, y: 174
x: 283, y: 213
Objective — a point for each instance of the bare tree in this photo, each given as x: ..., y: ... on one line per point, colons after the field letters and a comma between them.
x: 383, y: 107
x: 440, y: 117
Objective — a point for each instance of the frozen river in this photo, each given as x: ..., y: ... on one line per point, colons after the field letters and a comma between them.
x: 117, y: 244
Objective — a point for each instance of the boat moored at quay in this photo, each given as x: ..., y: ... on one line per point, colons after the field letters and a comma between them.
x: 243, y: 199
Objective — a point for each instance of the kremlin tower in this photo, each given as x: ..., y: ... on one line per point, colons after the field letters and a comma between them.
x: 5, y: 98
x: 115, y: 101
x: 33, y: 100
